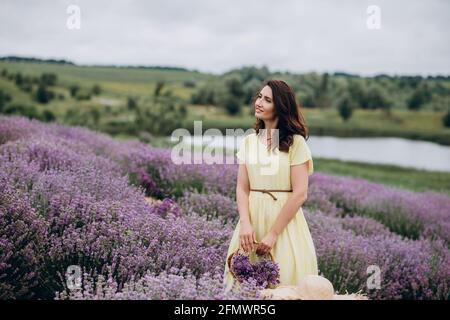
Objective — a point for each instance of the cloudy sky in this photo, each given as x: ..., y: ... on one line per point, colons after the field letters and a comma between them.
x: 217, y: 35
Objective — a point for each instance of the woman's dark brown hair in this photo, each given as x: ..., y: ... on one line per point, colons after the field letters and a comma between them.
x: 287, y: 109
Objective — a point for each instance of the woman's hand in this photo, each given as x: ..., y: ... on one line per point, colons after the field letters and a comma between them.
x: 266, y: 244
x: 247, y: 236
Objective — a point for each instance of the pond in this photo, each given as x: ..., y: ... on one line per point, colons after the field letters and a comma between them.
x: 394, y: 151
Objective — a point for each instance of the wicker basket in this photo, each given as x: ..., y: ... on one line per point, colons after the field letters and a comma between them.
x: 241, y: 250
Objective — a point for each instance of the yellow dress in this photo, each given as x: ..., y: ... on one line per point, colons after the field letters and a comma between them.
x: 294, y: 249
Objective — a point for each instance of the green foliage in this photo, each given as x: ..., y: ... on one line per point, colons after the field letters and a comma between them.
x: 446, y: 120
x: 251, y: 88
x: 4, y: 98
x: 82, y: 117
x: 249, y: 73
x: 24, y: 83
x: 204, y: 95
x: 73, y: 89
x: 83, y: 95
x: 95, y: 116
x: 43, y: 95
x: 158, y: 88
x: 322, y: 97
x: 306, y: 99
x: 345, y: 107
x: 26, y: 86
x: 131, y: 103
x: 358, y: 93
x: 26, y: 110
x: 234, y: 87
x: 18, y: 79
x: 419, y: 97
x: 230, y: 92
x: 160, y: 118
x: 189, y: 83
x: 96, y: 90
x: 47, y: 116
x: 377, y: 99
x: 232, y: 105
x: 232, y: 95
x: 183, y: 110
x: 48, y: 79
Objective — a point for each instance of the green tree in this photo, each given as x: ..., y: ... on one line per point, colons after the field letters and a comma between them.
x: 158, y: 88
x: 205, y: 95
x: 82, y: 117
x: 345, y: 107
x: 235, y: 88
x: 419, y: 97
x: 95, y: 115
x: 322, y: 94
x: 43, y: 95
x: 250, y: 73
x: 446, y: 120
x: 74, y: 88
x: 306, y: 99
x: 183, y: 110
x: 18, y: 79
x: 251, y: 87
x: 96, y: 90
x: 4, y: 99
x: 131, y: 103
x: 160, y: 118
x: 26, y: 110
x: 48, y: 79
x: 47, y: 116
x: 358, y: 93
x: 232, y: 105
x: 189, y: 83
x: 377, y: 99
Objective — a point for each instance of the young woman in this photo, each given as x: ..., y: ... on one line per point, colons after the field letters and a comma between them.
x: 272, y: 185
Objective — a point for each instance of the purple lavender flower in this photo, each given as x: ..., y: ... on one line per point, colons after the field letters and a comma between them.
x: 265, y: 272
x: 67, y: 196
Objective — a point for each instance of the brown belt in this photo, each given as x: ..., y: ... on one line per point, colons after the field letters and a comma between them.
x: 270, y: 190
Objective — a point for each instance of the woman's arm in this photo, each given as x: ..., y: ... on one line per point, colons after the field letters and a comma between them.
x: 299, y: 182
x: 242, y: 194
x: 247, y: 236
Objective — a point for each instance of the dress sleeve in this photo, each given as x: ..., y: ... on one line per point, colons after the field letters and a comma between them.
x: 242, y: 151
x: 299, y: 153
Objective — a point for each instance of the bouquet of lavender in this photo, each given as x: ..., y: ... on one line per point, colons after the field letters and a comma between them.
x: 265, y: 272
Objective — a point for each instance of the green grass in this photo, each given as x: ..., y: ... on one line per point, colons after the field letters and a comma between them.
x: 405, y: 178
x: 70, y: 73
x: 16, y: 94
x: 118, y: 83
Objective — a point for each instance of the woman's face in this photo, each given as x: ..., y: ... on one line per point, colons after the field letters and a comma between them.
x: 264, y: 106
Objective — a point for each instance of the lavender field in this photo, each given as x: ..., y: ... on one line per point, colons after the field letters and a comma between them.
x: 70, y: 196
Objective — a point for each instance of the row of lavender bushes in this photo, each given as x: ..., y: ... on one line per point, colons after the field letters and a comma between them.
x: 66, y: 199
x: 70, y: 196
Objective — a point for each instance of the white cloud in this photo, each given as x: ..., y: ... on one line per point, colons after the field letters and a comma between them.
x: 219, y: 35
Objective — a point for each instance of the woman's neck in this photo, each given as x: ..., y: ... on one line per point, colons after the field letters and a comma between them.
x: 268, y: 132
x: 270, y: 125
